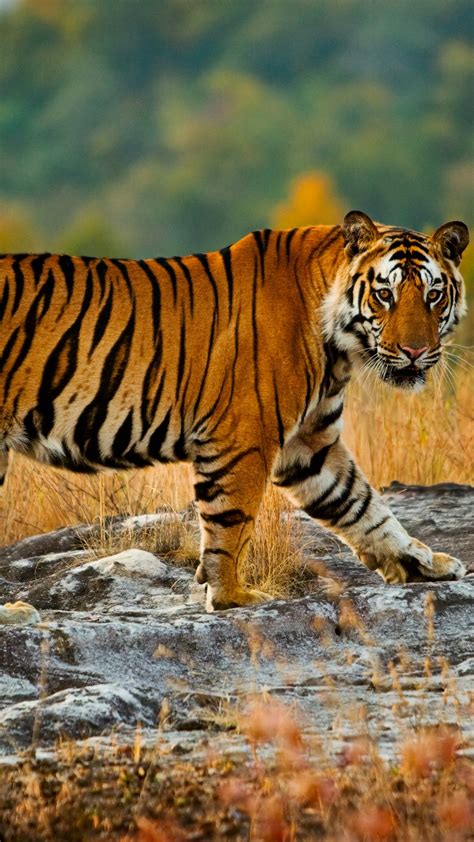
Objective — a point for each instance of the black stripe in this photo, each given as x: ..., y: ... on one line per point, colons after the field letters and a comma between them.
x: 331, y: 355
x: 256, y: 377
x: 325, y: 420
x: 362, y: 510
x: 29, y: 328
x: 37, y: 265
x: 227, y: 259
x: 157, y: 398
x: 232, y: 367
x: 309, y: 392
x: 227, y: 518
x: 29, y: 426
x: 157, y: 439
x: 341, y: 504
x: 418, y: 255
x: 4, y: 298
x: 102, y: 321
x: 180, y: 451
x: 47, y: 291
x: 66, y: 264
x: 224, y: 470
x: 123, y: 436
x: 212, y: 551
x: 205, y: 265
x: 8, y: 348
x: 208, y: 490
x: 171, y: 274
x: 401, y: 254
x: 261, y: 246
x: 376, y: 525
x: 289, y: 238
x: 121, y: 266
x: 299, y: 473
x: 205, y: 460
x: 329, y: 509
x: 206, y: 368
x: 281, y: 429
x: 200, y: 423
x: 181, y: 358
x: 61, y: 364
x: 360, y: 297
x: 312, y: 508
x: 155, y: 295
x: 148, y: 407
x: 94, y: 414
x: 187, y: 274
x: 277, y: 245
x: 101, y: 269
x: 19, y: 284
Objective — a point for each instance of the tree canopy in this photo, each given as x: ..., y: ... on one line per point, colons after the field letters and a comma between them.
x: 160, y: 128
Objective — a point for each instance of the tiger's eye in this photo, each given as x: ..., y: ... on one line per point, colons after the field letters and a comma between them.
x: 384, y: 295
x: 434, y: 295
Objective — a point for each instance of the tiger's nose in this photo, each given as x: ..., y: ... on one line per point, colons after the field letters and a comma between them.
x: 413, y: 353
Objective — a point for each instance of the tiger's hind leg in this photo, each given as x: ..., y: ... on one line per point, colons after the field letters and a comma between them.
x: 3, y: 463
x: 228, y: 493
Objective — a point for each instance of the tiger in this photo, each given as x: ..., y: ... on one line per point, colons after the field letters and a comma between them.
x: 236, y: 361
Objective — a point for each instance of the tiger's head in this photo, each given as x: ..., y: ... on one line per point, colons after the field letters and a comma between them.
x: 399, y: 296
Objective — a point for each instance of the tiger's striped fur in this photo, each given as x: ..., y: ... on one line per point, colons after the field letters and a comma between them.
x: 237, y: 361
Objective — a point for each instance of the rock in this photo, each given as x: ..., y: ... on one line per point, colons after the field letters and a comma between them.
x: 18, y: 613
x: 125, y: 638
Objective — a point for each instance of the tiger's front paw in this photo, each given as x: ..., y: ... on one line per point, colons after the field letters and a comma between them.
x: 219, y: 601
x: 410, y: 568
x: 444, y: 568
x: 416, y: 563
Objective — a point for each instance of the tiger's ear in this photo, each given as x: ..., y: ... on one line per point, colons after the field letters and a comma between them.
x: 359, y: 232
x: 452, y: 238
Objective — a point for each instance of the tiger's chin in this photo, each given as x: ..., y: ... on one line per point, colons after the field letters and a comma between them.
x: 410, y: 378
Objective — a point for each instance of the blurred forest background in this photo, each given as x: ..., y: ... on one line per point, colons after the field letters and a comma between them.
x: 146, y: 127
x: 160, y: 127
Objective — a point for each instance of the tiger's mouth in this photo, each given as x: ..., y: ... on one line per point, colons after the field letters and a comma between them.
x: 409, y: 377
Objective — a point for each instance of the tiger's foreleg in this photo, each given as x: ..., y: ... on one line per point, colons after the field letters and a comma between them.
x: 228, y: 492
x: 328, y: 485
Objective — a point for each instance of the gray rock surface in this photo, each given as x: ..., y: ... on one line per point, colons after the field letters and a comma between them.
x: 125, y: 639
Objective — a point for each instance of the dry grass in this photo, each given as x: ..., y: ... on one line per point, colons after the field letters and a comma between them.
x: 422, y: 438
x: 276, y: 554
x: 39, y: 499
x: 289, y: 792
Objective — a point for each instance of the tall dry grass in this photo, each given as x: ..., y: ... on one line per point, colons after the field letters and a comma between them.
x: 423, y: 438
x: 420, y: 438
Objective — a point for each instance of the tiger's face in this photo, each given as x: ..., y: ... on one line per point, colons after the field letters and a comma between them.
x: 403, y: 295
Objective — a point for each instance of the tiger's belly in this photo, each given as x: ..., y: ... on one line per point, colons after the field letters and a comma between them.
x: 87, y: 441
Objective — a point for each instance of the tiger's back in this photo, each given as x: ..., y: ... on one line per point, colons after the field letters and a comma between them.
x: 119, y: 363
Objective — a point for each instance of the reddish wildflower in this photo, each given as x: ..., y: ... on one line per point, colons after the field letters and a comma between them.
x: 237, y: 793
x: 271, y: 722
x: 429, y: 752
x: 374, y: 823
x: 313, y: 790
x: 270, y: 822
x: 355, y: 753
x: 456, y: 812
x: 156, y: 831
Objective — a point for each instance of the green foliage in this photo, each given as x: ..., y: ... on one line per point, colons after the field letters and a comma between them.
x: 159, y: 128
